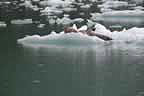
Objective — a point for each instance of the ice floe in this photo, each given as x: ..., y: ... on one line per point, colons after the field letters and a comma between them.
x: 2, y: 24
x: 120, y: 13
x: 113, y: 4
x: 25, y: 21
x: 51, y: 11
x: 120, y: 17
x: 66, y: 20
x: 56, y: 3
x: 131, y: 37
x: 125, y: 13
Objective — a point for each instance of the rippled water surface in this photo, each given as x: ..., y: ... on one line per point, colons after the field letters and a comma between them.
x: 71, y: 71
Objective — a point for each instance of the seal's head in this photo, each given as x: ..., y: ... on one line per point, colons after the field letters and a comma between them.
x: 69, y: 30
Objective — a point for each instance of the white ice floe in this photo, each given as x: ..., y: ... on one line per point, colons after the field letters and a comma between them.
x: 138, y: 1
x: 85, y: 6
x: 106, y: 10
x: 132, y: 37
x: 102, y: 30
x: 116, y: 26
x: 113, y: 4
x: 59, y: 3
x: 119, y: 13
x: 66, y: 20
x: 69, y: 9
x: 56, y: 3
x: 127, y: 16
x: 138, y: 8
x: 60, y: 39
x: 124, y: 13
x: 97, y: 17
x: 51, y: 11
x: 28, y: 4
x: 2, y: 24
x: 52, y: 21
x: 36, y: 0
x: 41, y: 25
x: 25, y: 21
x: 78, y: 20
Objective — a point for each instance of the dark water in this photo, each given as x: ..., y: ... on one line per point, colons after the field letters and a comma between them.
x: 70, y: 72
x: 66, y: 71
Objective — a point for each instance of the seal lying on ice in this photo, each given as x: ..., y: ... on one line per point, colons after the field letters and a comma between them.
x: 89, y: 32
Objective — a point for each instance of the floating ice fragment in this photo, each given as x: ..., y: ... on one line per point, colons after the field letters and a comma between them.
x: 102, y: 29
x: 86, y: 6
x: 59, y: 3
x: 113, y: 4
x: 119, y: 17
x: 132, y: 38
x: 41, y: 25
x: 25, y: 21
x: 64, y: 21
x: 78, y: 20
x: 36, y: 81
x: 2, y: 24
x: 41, y: 65
x: 83, y: 28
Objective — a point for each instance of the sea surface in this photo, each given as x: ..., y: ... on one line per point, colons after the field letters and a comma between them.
x: 66, y: 70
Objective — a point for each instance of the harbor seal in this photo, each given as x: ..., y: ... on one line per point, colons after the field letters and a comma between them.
x: 89, y: 32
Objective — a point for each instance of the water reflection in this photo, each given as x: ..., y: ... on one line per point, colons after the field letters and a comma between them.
x: 67, y: 71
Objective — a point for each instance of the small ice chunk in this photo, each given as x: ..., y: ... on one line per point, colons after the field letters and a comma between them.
x: 36, y: 81
x: 83, y: 28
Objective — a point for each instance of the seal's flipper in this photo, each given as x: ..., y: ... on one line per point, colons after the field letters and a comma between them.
x: 74, y: 27
x: 105, y: 38
x: 101, y: 36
